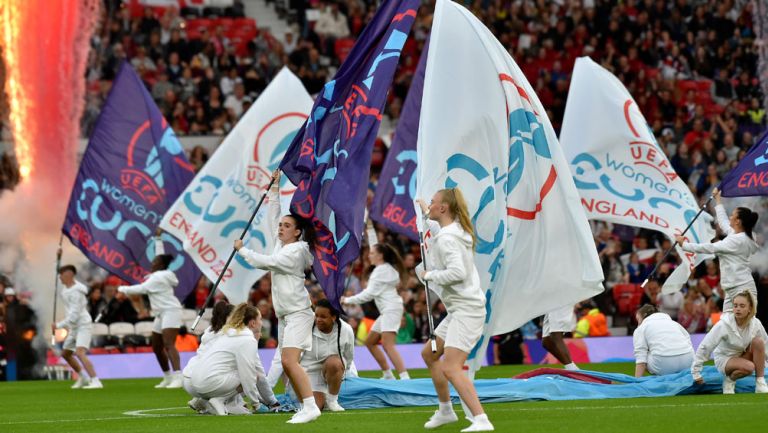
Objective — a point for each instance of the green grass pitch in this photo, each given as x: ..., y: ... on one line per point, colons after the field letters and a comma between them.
x: 135, y: 406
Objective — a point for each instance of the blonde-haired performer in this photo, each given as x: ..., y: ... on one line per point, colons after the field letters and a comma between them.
x: 738, y: 341
x: 388, y: 271
x: 287, y: 263
x: 231, y: 364
x: 733, y: 252
x: 454, y: 271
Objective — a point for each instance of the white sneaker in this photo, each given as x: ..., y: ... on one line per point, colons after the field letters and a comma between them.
x: 164, y: 383
x: 95, y: 383
x: 80, y: 382
x: 217, y: 407
x: 177, y: 381
x: 760, y: 386
x: 198, y: 405
x: 440, y: 418
x: 333, y: 406
x: 729, y: 386
x: 305, y: 415
x: 480, y: 423
x: 237, y: 410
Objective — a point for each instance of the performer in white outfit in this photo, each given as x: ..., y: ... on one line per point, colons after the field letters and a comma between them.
x: 332, y: 356
x: 662, y: 346
x: 78, y: 323
x: 733, y: 252
x: 219, y: 315
x: 556, y: 324
x: 230, y: 364
x: 738, y: 341
x: 455, y: 279
x: 159, y: 286
x: 382, y: 289
x: 290, y: 299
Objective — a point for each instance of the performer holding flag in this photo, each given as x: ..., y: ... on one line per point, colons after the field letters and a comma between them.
x: 159, y: 286
x: 733, y: 252
x: 288, y: 261
x: 454, y: 271
x: 388, y: 271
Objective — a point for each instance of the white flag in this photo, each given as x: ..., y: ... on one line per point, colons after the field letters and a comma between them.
x: 483, y: 129
x: 215, y: 208
x: 621, y: 172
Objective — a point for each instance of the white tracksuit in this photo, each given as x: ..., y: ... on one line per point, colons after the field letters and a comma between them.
x: 290, y: 298
x: 323, y: 347
x: 733, y: 252
x: 456, y: 281
x: 229, y: 360
x: 205, y: 340
x: 727, y: 340
x: 77, y: 319
x: 382, y: 289
x: 663, y: 345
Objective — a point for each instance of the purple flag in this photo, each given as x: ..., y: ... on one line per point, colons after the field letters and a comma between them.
x: 750, y: 177
x: 133, y: 169
x: 329, y: 159
x: 393, y: 203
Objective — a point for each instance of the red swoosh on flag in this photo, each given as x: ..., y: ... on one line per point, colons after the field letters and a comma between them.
x: 523, y: 94
x: 545, y: 189
x: 408, y: 13
x: 627, y: 104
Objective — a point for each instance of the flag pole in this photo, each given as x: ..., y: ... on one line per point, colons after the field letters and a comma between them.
x: 231, y: 256
x: 669, y: 250
x: 426, y: 291
x: 56, y: 289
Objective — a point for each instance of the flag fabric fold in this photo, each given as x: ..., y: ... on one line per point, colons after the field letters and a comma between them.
x: 329, y: 160
x: 133, y: 169
x: 750, y: 176
x: 215, y: 208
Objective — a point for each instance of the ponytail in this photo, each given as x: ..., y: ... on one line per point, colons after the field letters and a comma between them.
x: 240, y: 317
x: 458, y: 206
x: 748, y: 219
x: 308, y: 233
x: 391, y: 256
x: 221, y: 312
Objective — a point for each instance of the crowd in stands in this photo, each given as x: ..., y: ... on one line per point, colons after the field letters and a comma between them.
x: 690, y: 65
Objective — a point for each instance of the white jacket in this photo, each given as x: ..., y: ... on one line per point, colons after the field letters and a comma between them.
x: 159, y: 286
x: 454, y: 271
x: 327, y: 25
x: 233, y: 352
x: 327, y: 345
x: 727, y: 340
x: 205, y: 340
x: 75, y: 300
x: 659, y: 335
x: 287, y: 264
x: 382, y: 285
x: 733, y: 251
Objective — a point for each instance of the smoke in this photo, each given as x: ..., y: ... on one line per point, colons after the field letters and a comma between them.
x: 45, y: 48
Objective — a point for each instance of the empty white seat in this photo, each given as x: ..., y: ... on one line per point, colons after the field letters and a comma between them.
x: 144, y: 328
x: 188, y: 314
x: 121, y: 329
x: 99, y: 329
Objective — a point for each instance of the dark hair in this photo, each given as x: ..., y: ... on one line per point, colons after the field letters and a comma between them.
x: 66, y: 268
x: 646, y: 310
x: 324, y: 303
x: 164, y: 260
x: 221, y: 311
x: 748, y: 219
x: 307, y: 230
x: 391, y: 256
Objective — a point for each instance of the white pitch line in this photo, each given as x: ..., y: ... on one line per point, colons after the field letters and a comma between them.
x: 138, y: 414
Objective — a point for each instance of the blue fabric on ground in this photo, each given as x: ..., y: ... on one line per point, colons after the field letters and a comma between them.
x: 360, y: 393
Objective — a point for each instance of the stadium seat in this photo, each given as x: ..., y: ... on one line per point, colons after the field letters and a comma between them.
x: 144, y: 329
x: 121, y: 330
x: 342, y: 47
x: 99, y: 334
x: 627, y: 297
x: 188, y: 314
